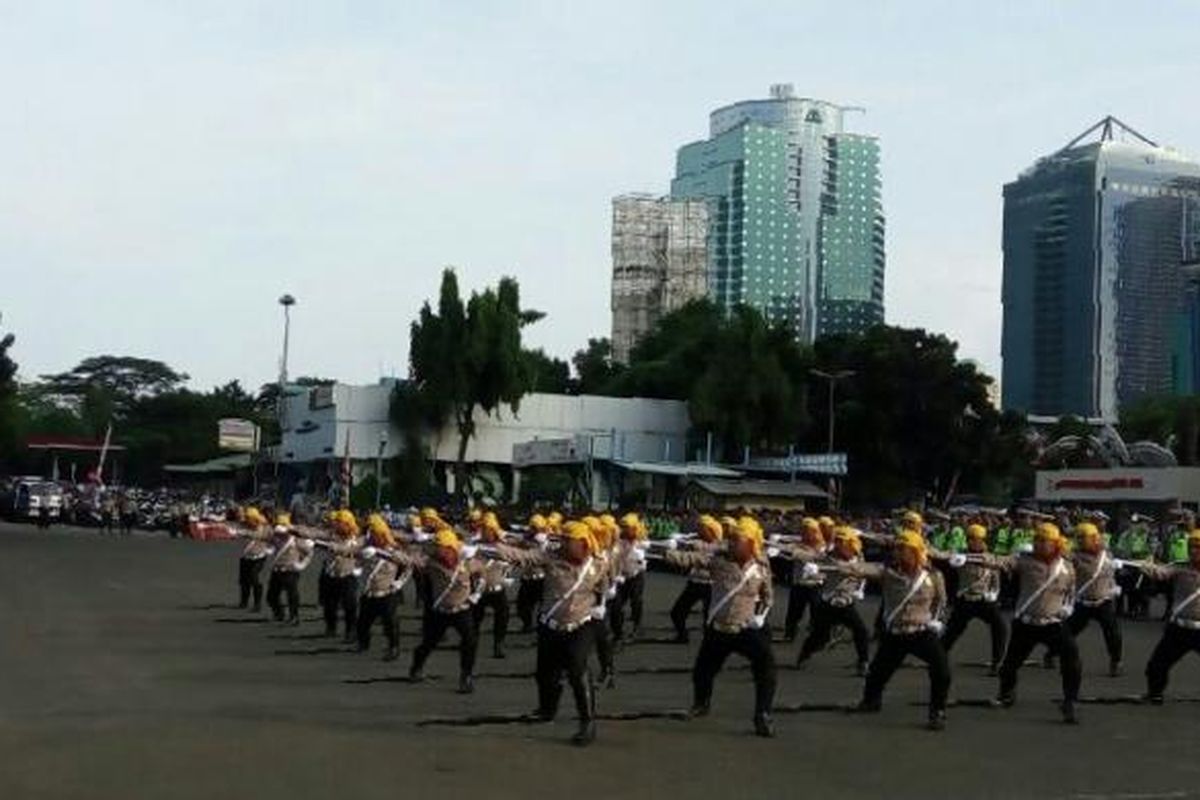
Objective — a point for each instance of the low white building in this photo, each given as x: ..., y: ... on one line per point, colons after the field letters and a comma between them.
x: 324, y: 425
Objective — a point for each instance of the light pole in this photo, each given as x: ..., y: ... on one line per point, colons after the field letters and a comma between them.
x: 383, y: 442
x: 833, y: 378
x: 287, y: 301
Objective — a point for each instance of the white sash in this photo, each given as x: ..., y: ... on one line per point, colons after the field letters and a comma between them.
x: 1095, y: 575
x: 917, y: 583
x: 1054, y: 573
x: 583, y: 573
x: 290, y: 543
x: 449, y: 585
x: 1187, y: 601
x: 748, y: 573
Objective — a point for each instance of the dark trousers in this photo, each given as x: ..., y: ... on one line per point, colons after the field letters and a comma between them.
x: 250, y: 581
x: 560, y: 652
x: 1058, y: 639
x: 752, y: 643
x: 385, y: 610
x: 1105, y: 615
x: 605, y: 649
x: 340, y: 593
x: 825, y: 616
x: 1176, y: 642
x: 987, y: 610
x: 893, y: 647
x: 800, y: 599
x: 628, y: 593
x: 498, y: 603
x: 529, y: 596
x: 284, y: 582
x: 434, y: 627
x: 694, y: 592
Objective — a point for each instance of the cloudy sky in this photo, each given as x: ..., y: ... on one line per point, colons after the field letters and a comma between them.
x: 168, y: 169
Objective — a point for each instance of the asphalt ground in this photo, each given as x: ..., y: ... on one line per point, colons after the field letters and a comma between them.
x: 126, y: 672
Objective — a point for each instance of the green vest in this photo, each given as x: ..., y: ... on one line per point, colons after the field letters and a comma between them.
x: 1002, y: 546
x: 1022, y: 537
x: 1133, y: 544
x: 957, y: 540
x: 1177, y: 547
x: 939, y: 538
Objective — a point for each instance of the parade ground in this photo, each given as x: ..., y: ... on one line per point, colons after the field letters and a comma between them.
x: 125, y: 671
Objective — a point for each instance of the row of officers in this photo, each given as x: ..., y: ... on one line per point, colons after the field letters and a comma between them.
x: 581, y: 584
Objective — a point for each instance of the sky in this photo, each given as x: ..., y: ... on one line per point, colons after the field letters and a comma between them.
x: 169, y: 169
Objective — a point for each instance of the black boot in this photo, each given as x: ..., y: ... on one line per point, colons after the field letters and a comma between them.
x: 937, y: 721
x: 498, y: 651
x: 1115, y: 669
x: 586, y: 733
x: 466, y: 684
x: 698, y: 709
x: 763, y: 726
x: 1068, y: 712
x: 866, y: 706
x: 392, y: 653
x: 860, y: 669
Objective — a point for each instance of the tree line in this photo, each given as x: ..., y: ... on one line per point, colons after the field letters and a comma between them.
x: 914, y: 419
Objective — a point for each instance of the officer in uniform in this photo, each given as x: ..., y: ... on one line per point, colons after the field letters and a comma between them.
x: 454, y: 578
x: 292, y: 555
x: 495, y: 585
x: 631, y: 561
x: 699, y: 584
x: 978, y: 597
x: 1096, y: 591
x: 575, y: 584
x: 254, y: 556
x: 1181, y: 634
x: 840, y: 593
x: 914, y: 598
x: 1133, y: 544
x: 341, y: 576
x: 736, y: 623
x: 1045, y: 587
x: 529, y: 591
x: 381, y: 590
x: 805, y: 591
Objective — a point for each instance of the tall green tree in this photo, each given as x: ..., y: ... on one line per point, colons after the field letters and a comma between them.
x: 9, y: 408
x: 466, y: 358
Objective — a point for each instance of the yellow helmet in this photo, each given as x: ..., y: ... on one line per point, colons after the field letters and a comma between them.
x: 430, y: 517
x: 848, y: 536
x: 283, y: 518
x: 580, y: 530
x: 913, y: 519
x: 474, y: 515
x: 490, y: 522
x: 810, y: 524
x: 1194, y: 537
x: 749, y: 529
x: 445, y: 537
x: 380, y: 532
x: 826, y: 523
x: 632, y: 524
x: 709, y: 524
x: 976, y: 531
x: 538, y: 523
x: 1087, y: 531
x: 912, y: 540
x: 555, y: 520
x: 1048, y: 531
x: 729, y: 524
x: 253, y: 517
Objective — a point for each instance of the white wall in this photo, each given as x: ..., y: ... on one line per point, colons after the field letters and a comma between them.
x: 646, y: 430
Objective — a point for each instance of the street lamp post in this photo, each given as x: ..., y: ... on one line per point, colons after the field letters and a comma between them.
x: 833, y: 378
x: 287, y: 301
x: 383, y: 442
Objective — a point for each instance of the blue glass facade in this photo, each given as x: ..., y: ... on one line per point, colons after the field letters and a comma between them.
x: 1095, y: 239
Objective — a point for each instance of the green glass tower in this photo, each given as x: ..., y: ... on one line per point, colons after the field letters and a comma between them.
x: 795, y: 219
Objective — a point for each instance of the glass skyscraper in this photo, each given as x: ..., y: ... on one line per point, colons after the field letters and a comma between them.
x: 796, y: 224
x: 1095, y: 290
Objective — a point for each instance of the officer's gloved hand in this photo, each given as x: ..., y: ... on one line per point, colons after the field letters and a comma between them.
x: 810, y: 570
x: 957, y: 560
x: 936, y: 626
x: 368, y: 552
x: 469, y: 551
